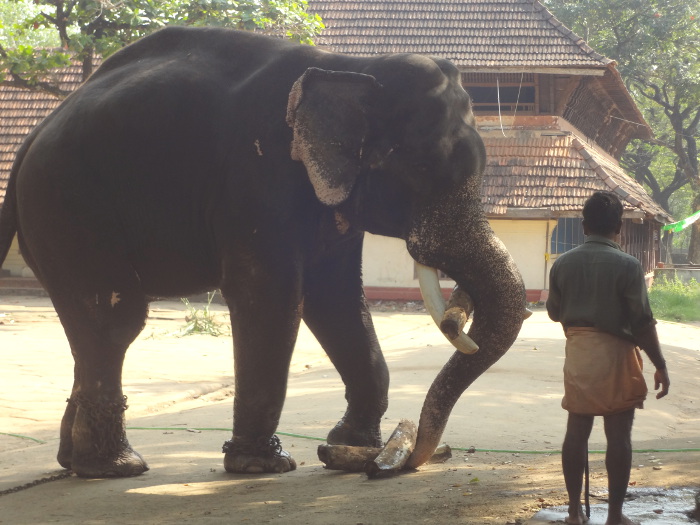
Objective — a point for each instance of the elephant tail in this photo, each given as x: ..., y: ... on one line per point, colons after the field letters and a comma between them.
x: 8, y: 207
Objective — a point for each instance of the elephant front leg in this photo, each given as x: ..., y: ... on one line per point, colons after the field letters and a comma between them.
x: 336, y: 312
x: 265, y: 317
x: 254, y: 448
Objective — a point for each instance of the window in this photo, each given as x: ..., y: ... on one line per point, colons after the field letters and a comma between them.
x: 567, y: 234
x: 515, y: 92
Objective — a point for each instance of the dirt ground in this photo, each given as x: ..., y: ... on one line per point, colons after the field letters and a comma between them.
x: 505, y: 432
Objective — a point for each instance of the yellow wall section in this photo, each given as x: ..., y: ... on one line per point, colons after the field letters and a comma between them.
x: 386, y: 261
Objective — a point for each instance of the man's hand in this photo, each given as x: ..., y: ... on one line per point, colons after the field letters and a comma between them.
x: 662, y: 380
x: 647, y: 338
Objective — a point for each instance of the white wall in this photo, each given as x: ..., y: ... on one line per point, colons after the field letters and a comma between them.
x: 15, y: 263
x: 386, y: 261
x: 528, y: 243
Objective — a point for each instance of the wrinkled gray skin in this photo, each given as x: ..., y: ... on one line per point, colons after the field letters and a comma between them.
x: 198, y: 159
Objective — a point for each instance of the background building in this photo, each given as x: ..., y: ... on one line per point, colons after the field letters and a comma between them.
x: 554, y: 114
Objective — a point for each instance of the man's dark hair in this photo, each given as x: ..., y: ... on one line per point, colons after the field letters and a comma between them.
x: 602, y: 212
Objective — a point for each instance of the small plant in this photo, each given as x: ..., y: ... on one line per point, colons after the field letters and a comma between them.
x: 674, y: 300
x: 202, y: 321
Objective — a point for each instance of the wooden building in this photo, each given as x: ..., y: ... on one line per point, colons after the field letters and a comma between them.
x: 554, y: 114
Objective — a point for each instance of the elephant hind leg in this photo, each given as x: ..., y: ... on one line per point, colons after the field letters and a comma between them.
x: 100, y: 325
x: 75, y: 243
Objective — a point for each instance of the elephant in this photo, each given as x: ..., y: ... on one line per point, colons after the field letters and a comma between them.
x: 197, y: 159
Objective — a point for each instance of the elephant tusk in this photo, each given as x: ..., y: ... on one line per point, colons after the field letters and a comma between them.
x: 435, y: 304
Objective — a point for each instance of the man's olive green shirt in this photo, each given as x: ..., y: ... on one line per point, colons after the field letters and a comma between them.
x: 598, y: 285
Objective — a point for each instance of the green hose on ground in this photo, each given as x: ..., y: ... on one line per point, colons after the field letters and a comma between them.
x: 461, y: 449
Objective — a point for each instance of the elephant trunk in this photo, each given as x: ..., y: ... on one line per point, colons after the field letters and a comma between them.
x: 483, y: 269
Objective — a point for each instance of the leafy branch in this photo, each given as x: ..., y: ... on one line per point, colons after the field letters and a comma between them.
x: 88, y: 28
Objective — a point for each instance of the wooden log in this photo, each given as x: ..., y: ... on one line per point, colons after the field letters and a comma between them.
x: 344, y: 457
x: 441, y: 454
x: 457, y: 312
x: 453, y: 322
x: 354, y: 459
x: 395, y: 453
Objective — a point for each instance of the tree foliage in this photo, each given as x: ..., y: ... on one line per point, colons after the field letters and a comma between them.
x: 84, y: 29
x: 656, y: 44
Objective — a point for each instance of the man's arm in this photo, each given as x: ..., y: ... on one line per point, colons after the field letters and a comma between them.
x: 644, y: 327
x: 648, y: 340
x: 554, y: 298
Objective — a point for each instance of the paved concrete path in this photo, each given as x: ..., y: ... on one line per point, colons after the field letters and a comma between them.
x: 180, y: 383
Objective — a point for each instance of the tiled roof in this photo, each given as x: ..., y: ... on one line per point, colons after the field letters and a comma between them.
x: 556, y: 171
x: 21, y: 110
x: 525, y: 169
x: 471, y: 33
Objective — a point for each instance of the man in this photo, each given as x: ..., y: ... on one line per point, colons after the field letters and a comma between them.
x: 598, y: 293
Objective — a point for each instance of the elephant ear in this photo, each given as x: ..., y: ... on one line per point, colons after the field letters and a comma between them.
x: 327, y: 111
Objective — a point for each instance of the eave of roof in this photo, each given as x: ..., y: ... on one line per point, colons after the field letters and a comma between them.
x: 617, y: 91
x: 554, y: 169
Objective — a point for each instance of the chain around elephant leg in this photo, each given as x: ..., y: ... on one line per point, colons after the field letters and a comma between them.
x: 255, y: 456
x: 100, y: 447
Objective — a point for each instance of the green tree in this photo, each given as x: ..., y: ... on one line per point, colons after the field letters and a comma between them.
x: 656, y: 44
x: 84, y: 29
x: 13, y: 33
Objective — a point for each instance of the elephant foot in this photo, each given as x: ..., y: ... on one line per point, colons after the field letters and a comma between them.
x: 251, y: 457
x: 345, y: 433
x: 65, y: 455
x: 96, y: 445
x: 128, y: 463
x: 65, y: 449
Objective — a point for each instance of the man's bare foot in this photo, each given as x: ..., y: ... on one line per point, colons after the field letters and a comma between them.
x: 624, y: 520
x: 576, y: 516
